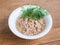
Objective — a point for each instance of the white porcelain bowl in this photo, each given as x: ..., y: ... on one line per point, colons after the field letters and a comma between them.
x: 12, y: 23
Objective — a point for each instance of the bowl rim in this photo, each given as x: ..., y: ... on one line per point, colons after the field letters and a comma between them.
x: 25, y: 36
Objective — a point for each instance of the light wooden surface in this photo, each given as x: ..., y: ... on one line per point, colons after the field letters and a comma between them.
x: 6, y: 36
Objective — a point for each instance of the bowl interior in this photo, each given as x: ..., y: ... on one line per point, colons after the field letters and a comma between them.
x: 18, y: 12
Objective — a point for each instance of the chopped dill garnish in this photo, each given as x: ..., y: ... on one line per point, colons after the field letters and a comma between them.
x: 34, y: 13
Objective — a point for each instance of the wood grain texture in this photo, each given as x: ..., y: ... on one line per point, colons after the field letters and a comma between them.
x: 52, y: 43
x: 6, y: 36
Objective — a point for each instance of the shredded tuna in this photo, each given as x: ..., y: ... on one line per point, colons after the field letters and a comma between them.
x: 30, y: 27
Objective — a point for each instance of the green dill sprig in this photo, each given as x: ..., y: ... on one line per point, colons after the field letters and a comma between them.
x: 34, y: 13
